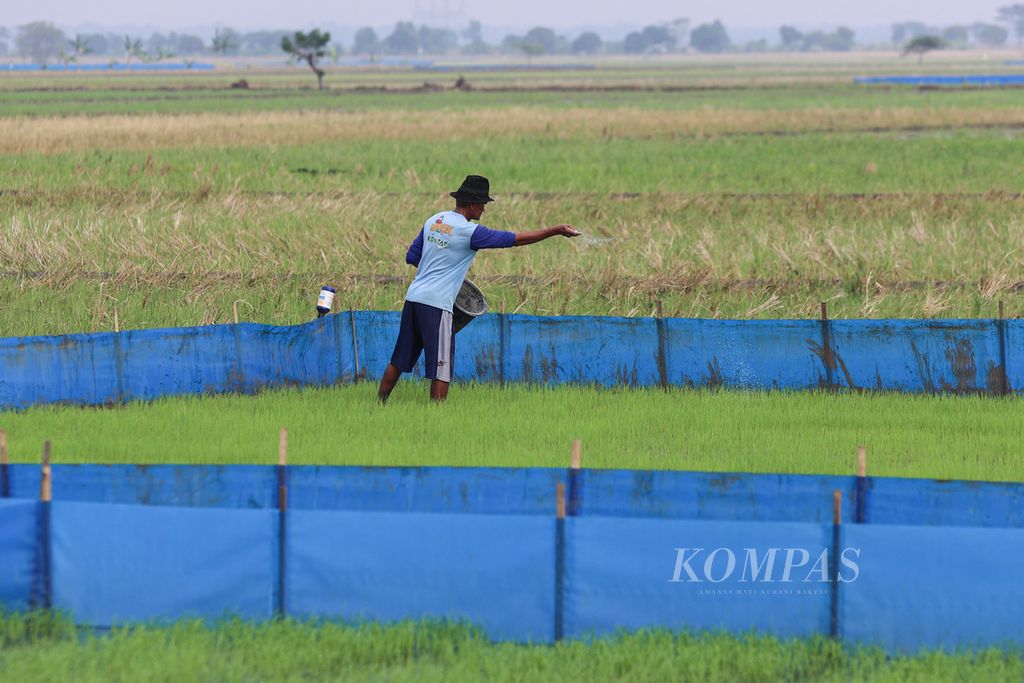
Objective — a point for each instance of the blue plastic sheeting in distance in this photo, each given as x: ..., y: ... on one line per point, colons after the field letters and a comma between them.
x: 960, y: 356
x: 495, y: 571
x: 555, y: 350
x: 975, y: 80
x: 627, y: 574
x: 105, y: 368
x: 76, y: 368
x: 934, y: 587
x: 376, y: 332
x: 125, y: 563
x: 17, y: 552
x: 749, y: 354
x: 166, y: 66
x: 470, y: 490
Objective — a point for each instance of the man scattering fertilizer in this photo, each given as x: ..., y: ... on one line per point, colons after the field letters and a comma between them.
x: 442, y: 254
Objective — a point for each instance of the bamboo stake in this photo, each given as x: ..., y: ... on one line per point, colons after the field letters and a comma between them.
x: 661, y: 313
x: 46, y: 476
x: 837, y: 507
x: 4, y: 458
x: 824, y: 310
x: 577, y: 454
x: 1002, y: 311
x: 282, y: 447
x: 862, y: 461
x: 117, y: 322
x: 234, y: 311
x: 560, y: 500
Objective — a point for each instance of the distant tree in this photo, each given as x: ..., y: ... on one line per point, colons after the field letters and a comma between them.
x: 956, y: 35
x: 1014, y: 16
x: 531, y: 50
x: 477, y: 47
x: 678, y: 28
x: 223, y: 41
x: 366, y: 42
x: 840, y: 40
x: 906, y: 30
x: 132, y: 48
x: 659, y: 38
x: 40, y: 41
x: 190, y: 45
x: 474, y: 33
x: 760, y: 45
x: 790, y: 37
x: 990, y: 35
x: 404, y: 40
x: 3, y: 40
x: 436, y: 40
x: 80, y: 45
x: 650, y: 39
x: 634, y: 43
x: 310, y: 48
x: 544, y: 37
x: 260, y: 42
x: 922, y: 44
x: 511, y: 43
x: 587, y: 43
x: 335, y: 52
x: 710, y: 38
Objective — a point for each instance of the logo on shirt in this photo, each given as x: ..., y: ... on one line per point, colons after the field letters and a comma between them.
x: 441, y: 227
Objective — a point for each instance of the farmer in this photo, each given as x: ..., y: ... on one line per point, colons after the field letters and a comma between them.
x: 442, y: 253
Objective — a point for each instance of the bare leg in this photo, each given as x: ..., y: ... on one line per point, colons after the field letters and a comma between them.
x: 388, y: 382
x: 438, y: 390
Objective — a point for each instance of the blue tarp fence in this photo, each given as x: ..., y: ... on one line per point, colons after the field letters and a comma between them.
x: 960, y: 356
x: 143, y: 66
x: 976, y: 80
x: 912, y: 564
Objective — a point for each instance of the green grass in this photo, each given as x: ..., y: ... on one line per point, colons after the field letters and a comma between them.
x: 41, y: 649
x: 937, y: 162
x: 485, y: 425
x: 174, y: 237
x: 159, y: 98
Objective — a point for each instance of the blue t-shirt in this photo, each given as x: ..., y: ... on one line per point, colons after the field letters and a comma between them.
x: 442, y: 254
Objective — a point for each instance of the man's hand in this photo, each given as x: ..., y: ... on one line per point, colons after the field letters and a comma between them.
x: 566, y: 231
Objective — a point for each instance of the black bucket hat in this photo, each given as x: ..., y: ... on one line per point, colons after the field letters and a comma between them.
x: 474, y: 190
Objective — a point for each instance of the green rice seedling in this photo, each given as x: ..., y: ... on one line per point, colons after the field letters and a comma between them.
x: 945, y: 437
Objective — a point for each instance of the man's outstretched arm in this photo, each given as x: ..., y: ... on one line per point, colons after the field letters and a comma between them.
x: 523, y: 238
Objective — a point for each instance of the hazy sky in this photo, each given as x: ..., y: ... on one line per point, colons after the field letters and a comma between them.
x: 252, y: 14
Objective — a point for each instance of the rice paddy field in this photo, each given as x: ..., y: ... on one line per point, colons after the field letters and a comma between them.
x: 710, y: 185
x: 969, y: 437
x: 729, y: 187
